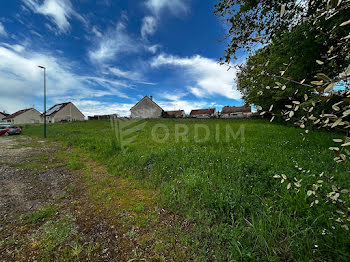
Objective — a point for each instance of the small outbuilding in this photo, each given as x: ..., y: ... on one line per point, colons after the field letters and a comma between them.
x: 177, y: 113
x: 146, y: 108
x: 24, y: 116
x: 64, y: 112
x: 203, y: 113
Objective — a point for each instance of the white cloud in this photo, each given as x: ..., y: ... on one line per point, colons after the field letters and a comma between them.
x: 153, y: 49
x: 157, y: 7
x: 17, y: 48
x: 96, y: 31
x: 174, y: 6
x: 2, y: 30
x: 59, y: 12
x: 113, y: 43
x: 149, y: 26
x: 183, y: 105
x: 125, y: 74
x: 91, y: 107
x: 22, y: 81
x: 174, y: 96
x: 206, y: 75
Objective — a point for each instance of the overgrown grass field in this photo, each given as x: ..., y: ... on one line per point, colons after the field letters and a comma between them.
x: 224, y: 182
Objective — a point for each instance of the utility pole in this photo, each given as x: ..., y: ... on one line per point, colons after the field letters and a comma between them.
x: 44, y: 99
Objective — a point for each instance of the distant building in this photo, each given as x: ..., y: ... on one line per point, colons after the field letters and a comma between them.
x: 146, y: 108
x: 103, y: 117
x: 203, y: 113
x: 25, y: 116
x: 177, y: 113
x: 65, y: 112
x: 3, y: 115
x: 233, y: 111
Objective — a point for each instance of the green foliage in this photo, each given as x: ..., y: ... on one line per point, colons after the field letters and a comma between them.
x: 292, y: 55
x: 226, y: 187
x: 252, y: 23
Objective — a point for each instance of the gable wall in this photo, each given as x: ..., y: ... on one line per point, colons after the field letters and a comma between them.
x: 68, y: 113
x: 146, y: 109
x: 30, y: 117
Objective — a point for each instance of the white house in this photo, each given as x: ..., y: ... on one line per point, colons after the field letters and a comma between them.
x: 64, y: 112
x: 25, y: 116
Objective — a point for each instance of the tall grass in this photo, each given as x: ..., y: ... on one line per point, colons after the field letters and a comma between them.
x: 226, y: 187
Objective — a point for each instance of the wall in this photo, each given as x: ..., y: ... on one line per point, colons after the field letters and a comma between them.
x: 68, y: 113
x: 202, y: 116
x: 146, y: 109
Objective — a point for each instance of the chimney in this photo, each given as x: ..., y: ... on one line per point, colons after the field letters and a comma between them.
x: 151, y: 97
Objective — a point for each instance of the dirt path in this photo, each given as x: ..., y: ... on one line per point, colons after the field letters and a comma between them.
x: 23, y: 189
x: 56, y: 204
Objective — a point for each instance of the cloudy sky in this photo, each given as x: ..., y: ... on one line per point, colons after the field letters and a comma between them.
x: 105, y: 55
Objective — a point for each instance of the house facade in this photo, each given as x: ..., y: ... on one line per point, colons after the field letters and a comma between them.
x: 146, y: 108
x: 25, y: 116
x: 203, y: 113
x: 236, y: 112
x: 177, y: 113
x: 64, y: 112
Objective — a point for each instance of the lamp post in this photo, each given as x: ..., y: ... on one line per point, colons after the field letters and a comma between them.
x: 44, y: 99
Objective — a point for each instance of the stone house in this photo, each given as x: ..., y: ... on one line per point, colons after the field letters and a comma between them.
x: 203, y: 113
x: 25, y: 116
x: 177, y: 113
x: 146, y: 108
x: 64, y: 112
x: 233, y: 111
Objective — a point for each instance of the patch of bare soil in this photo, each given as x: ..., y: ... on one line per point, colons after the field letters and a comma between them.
x: 49, y: 212
x: 31, y: 179
x: 23, y: 190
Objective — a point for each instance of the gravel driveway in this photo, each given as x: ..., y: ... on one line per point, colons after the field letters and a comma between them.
x: 23, y: 189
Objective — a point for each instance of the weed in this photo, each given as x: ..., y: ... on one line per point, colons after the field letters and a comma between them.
x: 51, y: 235
x: 140, y: 207
x: 46, y: 212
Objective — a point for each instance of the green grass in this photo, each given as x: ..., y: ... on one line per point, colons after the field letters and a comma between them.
x: 53, y: 234
x: 225, y: 185
x: 46, y: 212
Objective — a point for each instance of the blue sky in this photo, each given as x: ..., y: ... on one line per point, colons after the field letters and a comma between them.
x: 105, y: 55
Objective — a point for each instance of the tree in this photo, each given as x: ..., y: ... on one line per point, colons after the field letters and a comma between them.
x: 320, y: 106
x: 298, y: 50
x: 252, y: 22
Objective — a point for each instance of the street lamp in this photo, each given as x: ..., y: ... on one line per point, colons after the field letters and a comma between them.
x: 44, y: 99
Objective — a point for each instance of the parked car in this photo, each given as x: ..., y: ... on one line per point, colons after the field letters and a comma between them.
x: 15, y: 130
x: 5, y: 130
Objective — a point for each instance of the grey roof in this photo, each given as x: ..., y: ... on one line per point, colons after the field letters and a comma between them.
x: 53, y: 110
